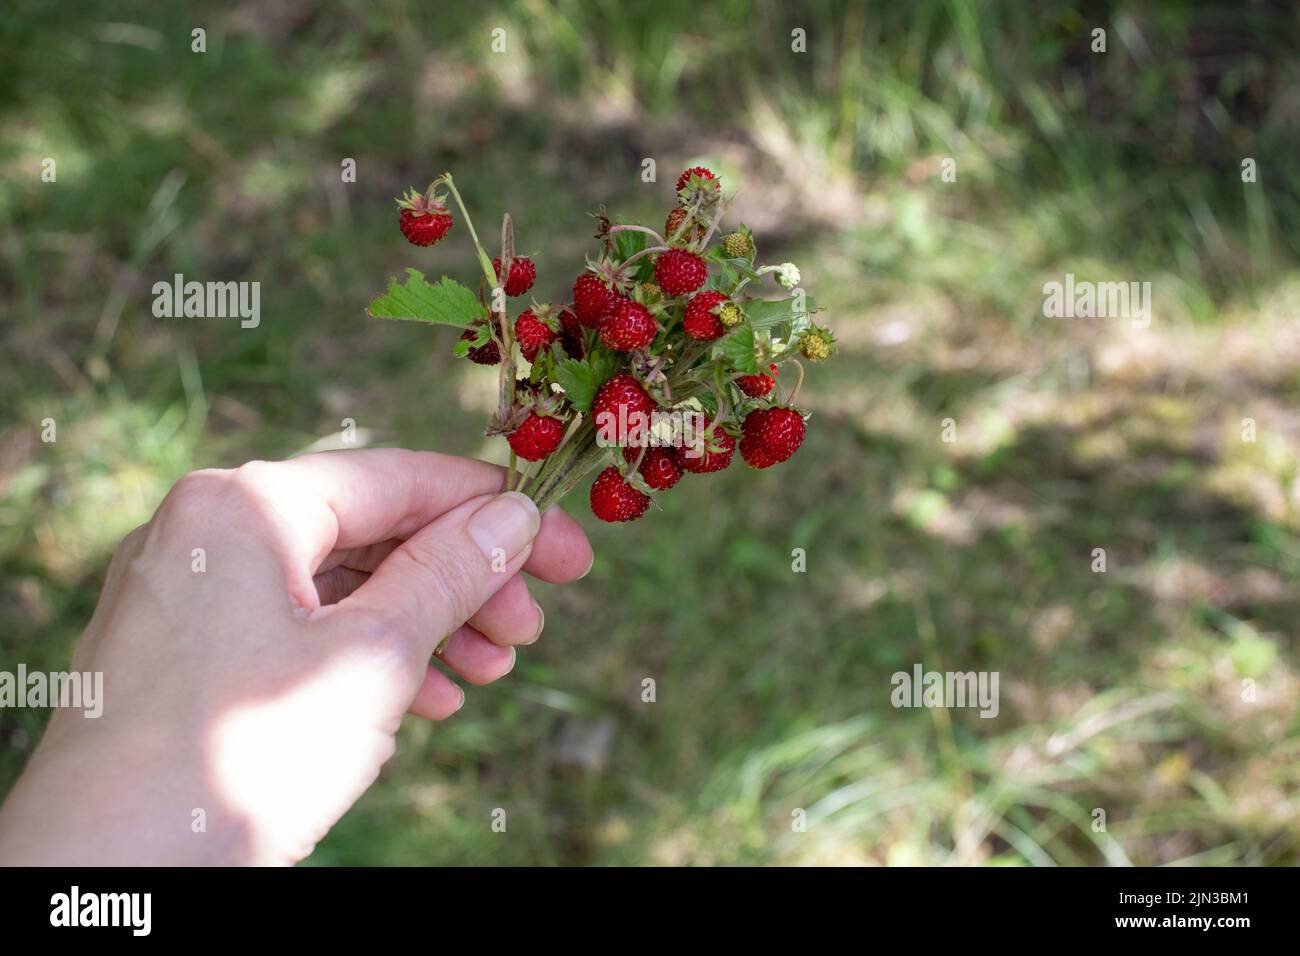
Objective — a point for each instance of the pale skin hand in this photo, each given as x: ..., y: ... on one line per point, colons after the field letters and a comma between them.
x: 266, y: 691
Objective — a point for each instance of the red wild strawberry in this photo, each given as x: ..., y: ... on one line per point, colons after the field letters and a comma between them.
x: 621, y: 411
x: 591, y: 298
x: 424, y: 228
x: 536, y: 437
x: 658, y: 467
x: 489, y: 353
x: 627, y: 325
x: 522, y: 274
x: 710, y: 451
x: 756, y: 386
x: 613, y: 499
x: 770, y: 436
x: 678, y: 272
x: 701, y: 320
x: 701, y: 175
x: 532, y: 334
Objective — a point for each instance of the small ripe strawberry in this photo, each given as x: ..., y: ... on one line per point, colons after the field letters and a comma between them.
x: 621, y: 410
x: 699, y: 176
x: 678, y: 272
x: 709, y: 452
x: 627, y: 325
x: 770, y: 436
x: 692, y: 233
x: 700, y: 320
x: 489, y: 353
x: 817, y: 344
x: 756, y: 386
x: 536, y: 437
x: 424, y: 217
x: 738, y: 245
x: 532, y: 334
x: 613, y: 499
x: 591, y: 298
x: 658, y: 467
x: 522, y: 274
x: 424, y: 228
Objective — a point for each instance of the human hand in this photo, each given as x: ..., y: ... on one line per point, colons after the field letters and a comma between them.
x: 266, y: 690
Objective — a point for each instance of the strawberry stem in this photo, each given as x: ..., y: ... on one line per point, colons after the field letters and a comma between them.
x: 627, y: 227
x: 648, y: 250
x: 483, y: 259
x: 798, y: 384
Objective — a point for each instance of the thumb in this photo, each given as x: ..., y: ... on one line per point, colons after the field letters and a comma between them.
x: 434, y: 583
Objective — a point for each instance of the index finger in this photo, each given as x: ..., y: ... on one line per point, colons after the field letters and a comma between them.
x: 349, y: 499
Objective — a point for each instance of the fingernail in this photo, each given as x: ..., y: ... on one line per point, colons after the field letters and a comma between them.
x: 505, y: 525
x: 590, y: 564
x: 541, y: 623
x: 462, y: 699
x: 514, y: 656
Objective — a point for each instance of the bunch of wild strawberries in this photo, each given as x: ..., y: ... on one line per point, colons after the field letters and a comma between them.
x: 665, y: 362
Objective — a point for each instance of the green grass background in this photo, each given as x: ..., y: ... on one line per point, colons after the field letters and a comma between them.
x: 1121, y: 691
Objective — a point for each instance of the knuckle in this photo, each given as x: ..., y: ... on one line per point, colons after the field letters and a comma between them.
x: 190, y: 502
x: 258, y: 477
x: 453, y: 578
x: 196, y: 488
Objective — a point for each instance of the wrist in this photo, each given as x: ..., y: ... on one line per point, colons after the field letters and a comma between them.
x: 91, y: 796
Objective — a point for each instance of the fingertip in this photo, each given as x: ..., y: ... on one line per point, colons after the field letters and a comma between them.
x: 561, y: 551
x: 438, y: 697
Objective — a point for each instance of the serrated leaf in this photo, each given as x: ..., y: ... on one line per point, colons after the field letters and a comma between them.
x: 445, y: 302
x: 580, y: 378
x: 727, y: 276
x: 738, y: 348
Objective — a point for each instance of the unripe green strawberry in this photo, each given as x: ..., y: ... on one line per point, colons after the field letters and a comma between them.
x: 817, y: 344
x: 737, y: 245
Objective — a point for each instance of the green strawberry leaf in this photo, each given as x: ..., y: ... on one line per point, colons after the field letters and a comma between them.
x: 628, y: 244
x: 580, y: 378
x: 445, y: 302
x: 764, y: 314
x: 461, y: 348
x: 738, y: 349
